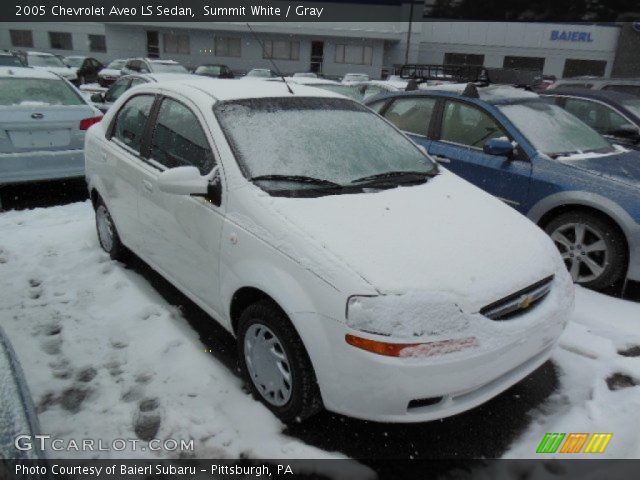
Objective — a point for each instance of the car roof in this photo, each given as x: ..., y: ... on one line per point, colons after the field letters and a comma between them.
x: 308, y: 80
x: 159, y: 77
x: 228, y: 89
x: 41, y: 54
x: 26, y: 72
x: 76, y: 56
x: 493, y: 94
x: 607, y: 95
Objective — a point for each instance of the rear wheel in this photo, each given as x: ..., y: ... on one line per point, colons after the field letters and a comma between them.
x: 592, y: 248
x: 276, y: 364
x: 107, y: 233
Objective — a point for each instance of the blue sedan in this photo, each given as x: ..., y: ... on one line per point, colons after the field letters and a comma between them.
x: 540, y: 159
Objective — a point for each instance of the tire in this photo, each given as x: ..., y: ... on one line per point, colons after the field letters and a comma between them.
x: 602, y: 245
x: 107, y: 233
x: 258, y: 321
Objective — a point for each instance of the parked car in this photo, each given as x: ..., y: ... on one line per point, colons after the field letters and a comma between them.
x: 615, y: 115
x: 111, y: 72
x: 260, y: 73
x: 376, y: 87
x: 330, y: 245
x: 215, y: 70
x: 349, y: 91
x: 355, y: 78
x: 152, y: 65
x: 17, y: 413
x: 43, y: 120
x: 103, y: 100
x: 87, y: 68
x: 50, y: 63
x: 541, y: 160
x: 10, y: 59
x: 305, y: 75
x: 625, y: 85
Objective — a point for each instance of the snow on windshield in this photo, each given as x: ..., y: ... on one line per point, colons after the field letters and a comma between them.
x: 326, y: 138
x: 554, y: 131
x: 32, y: 92
x: 44, y: 61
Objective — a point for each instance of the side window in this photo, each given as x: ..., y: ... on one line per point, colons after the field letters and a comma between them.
x: 178, y: 139
x: 136, y: 81
x: 117, y: 89
x: 143, y: 67
x: 468, y: 125
x: 132, y: 120
x: 599, y: 117
x: 411, y: 114
x: 134, y: 65
x: 632, y: 89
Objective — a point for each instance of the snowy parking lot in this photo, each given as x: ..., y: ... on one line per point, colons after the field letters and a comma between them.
x: 109, y: 353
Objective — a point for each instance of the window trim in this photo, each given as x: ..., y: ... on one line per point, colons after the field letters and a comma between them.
x: 109, y: 136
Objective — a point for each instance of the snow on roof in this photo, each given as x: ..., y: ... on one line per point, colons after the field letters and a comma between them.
x: 310, y: 81
x: 492, y: 93
x: 157, y: 60
x: 228, y: 89
x: 41, y: 54
x: 26, y: 72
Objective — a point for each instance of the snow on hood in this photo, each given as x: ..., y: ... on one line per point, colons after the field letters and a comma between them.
x: 443, y: 236
x: 622, y: 166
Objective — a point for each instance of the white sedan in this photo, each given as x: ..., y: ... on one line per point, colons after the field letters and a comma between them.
x: 355, y: 273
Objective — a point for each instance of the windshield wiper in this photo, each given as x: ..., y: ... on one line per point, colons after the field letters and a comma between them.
x: 297, y: 179
x: 404, y: 176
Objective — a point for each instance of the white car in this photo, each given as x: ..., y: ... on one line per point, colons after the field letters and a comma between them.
x: 111, y: 72
x: 355, y: 273
x: 50, y: 63
x: 355, y: 78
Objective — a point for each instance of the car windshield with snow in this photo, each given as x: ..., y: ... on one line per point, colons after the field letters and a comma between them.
x: 378, y: 294
x: 540, y: 159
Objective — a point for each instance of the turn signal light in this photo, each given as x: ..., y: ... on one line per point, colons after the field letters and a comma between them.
x: 428, y: 349
x: 87, y: 122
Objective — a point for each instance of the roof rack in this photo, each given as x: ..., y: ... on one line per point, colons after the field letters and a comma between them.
x: 477, y: 74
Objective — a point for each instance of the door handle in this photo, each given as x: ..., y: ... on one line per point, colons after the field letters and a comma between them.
x: 440, y: 159
x: 148, y: 186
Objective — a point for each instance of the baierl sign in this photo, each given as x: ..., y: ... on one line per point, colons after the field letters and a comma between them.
x: 570, y: 36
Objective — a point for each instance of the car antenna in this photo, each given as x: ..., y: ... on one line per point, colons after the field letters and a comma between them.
x: 270, y: 59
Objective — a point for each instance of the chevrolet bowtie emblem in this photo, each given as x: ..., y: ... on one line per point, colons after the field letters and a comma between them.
x: 525, y: 301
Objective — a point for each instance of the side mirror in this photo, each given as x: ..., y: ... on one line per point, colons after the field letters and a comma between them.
x: 183, y: 181
x: 97, y: 97
x: 500, y: 147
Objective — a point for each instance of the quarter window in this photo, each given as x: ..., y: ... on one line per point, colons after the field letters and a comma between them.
x: 468, y: 125
x: 132, y: 121
x: 411, y: 114
x: 178, y: 139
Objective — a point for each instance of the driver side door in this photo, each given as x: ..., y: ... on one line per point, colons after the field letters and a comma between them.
x: 463, y: 130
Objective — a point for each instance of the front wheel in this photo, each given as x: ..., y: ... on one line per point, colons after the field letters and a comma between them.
x: 107, y: 233
x: 276, y: 364
x: 592, y: 248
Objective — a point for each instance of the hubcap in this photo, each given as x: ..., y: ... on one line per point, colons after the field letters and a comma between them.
x: 583, y: 250
x: 105, y: 228
x: 268, y: 364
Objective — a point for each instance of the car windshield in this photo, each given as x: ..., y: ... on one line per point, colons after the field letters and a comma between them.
x: 116, y: 64
x: 29, y: 92
x: 160, y: 67
x: 211, y: 69
x: 325, y: 141
x: 10, y: 60
x: 348, y: 91
x: 554, y: 131
x: 44, y: 61
x: 632, y: 105
x: 259, y: 73
x: 74, y: 61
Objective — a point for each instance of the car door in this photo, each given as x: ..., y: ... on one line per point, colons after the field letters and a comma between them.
x: 463, y: 130
x: 413, y: 116
x: 125, y: 165
x: 182, y: 237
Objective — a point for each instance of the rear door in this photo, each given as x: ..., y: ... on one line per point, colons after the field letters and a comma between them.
x: 463, y: 130
x: 182, y: 237
x: 124, y: 165
x: 413, y: 116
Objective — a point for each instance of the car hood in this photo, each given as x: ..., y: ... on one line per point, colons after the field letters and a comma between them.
x: 444, y: 236
x: 623, y: 167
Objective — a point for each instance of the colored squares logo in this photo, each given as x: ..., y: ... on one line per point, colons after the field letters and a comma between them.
x: 574, y: 443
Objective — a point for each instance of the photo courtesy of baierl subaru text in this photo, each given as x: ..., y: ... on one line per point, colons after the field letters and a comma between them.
x: 320, y: 239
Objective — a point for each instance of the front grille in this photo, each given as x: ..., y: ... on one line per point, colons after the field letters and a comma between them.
x: 517, y: 303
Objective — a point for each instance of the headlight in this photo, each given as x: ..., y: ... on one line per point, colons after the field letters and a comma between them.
x: 432, y: 322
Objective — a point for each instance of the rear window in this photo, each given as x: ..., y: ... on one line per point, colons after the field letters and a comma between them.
x: 37, y: 92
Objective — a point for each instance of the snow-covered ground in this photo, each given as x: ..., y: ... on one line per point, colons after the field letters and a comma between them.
x: 107, y: 357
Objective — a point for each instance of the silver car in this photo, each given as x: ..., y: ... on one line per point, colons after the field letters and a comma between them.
x: 43, y: 120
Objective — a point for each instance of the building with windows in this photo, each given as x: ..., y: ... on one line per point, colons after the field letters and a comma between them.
x: 374, y: 48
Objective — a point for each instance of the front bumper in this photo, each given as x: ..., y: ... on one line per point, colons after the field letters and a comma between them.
x: 40, y: 165
x: 365, y: 385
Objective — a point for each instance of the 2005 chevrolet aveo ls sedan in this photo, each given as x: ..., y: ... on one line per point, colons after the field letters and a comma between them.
x: 356, y: 275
